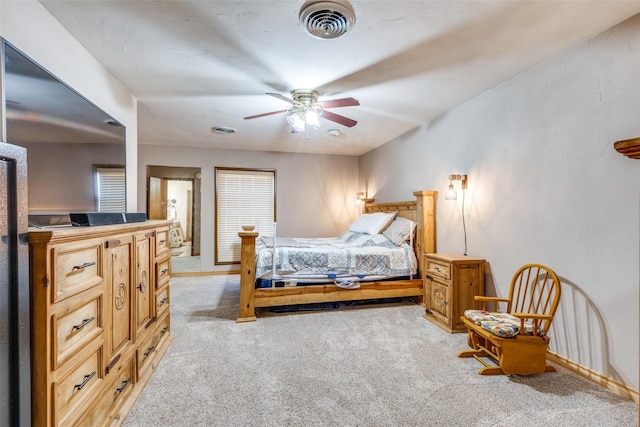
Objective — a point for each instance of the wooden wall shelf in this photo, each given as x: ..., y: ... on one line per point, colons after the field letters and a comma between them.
x: 628, y: 147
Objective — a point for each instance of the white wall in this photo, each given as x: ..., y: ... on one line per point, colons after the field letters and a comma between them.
x: 315, y: 193
x: 546, y: 186
x: 30, y: 28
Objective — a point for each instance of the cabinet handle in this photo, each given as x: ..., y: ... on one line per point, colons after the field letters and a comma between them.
x: 86, y: 379
x: 83, y: 266
x: 164, y: 330
x: 112, y: 364
x: 111, y: 243
x: 84, y: 323
x: 142, y: 287
x: 164, y: 271
x: 149, y: 350
x: 124, y: 385
x: 162, y: 241
x: 161, y: 302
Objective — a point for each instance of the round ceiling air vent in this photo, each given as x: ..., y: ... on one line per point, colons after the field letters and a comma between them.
x: 327, y: 19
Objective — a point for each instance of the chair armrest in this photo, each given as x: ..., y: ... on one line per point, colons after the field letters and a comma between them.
x: 537, y: 324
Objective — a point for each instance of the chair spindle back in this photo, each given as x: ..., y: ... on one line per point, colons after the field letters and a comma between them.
x: 535, y: 289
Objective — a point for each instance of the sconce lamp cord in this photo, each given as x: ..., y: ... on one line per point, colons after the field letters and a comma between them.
x: 464, y: 225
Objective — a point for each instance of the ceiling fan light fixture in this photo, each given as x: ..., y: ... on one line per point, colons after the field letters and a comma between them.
x: 312, y: 118
x: 327, y: 19
x: 296, y: 120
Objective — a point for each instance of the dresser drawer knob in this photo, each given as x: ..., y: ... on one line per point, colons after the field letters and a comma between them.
x: 164, y: 330
x: 164, y: 271
x: 124, y: 385
x: 161, y: 302
x: 83, y: 266
x: 149, y: 350
x: 86, y: 379
x: 84, y: 323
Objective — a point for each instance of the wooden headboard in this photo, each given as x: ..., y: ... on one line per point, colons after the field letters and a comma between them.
x: 423, y: 212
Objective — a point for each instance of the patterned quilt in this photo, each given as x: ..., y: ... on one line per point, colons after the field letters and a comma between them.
x: 351, y: 254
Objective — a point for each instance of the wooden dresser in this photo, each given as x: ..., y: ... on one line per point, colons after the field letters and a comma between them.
x: 450, y: 283
x: 99, y: 317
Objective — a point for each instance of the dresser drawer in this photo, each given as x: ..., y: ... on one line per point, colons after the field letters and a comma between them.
x: 164, y: 328
x: 162, y: 301
x: 75, y: 270
x: 163, y: 273
x: 147, y: 351
x: 76, y: 388
x: 75, y: 328
x: 116, y: 393
x: 162, y: 241
x: 439, y: 269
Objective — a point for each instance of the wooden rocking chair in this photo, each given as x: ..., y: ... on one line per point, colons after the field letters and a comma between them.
x: 515, y: 339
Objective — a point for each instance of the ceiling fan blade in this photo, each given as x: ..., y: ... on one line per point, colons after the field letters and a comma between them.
x: 342, y: 102
x: 282, y: 97
x: 265, y: 114
x: 345, y: 121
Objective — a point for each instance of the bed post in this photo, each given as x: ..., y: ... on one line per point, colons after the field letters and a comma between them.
x: 426, y: 219
x: 247, y: 275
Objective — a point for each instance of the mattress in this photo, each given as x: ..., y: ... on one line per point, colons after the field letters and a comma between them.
x: 351, y: 254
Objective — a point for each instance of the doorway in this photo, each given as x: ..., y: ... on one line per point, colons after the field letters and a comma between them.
x: 174, y: 193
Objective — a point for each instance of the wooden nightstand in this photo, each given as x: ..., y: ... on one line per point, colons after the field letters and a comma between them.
x: 450, y: 283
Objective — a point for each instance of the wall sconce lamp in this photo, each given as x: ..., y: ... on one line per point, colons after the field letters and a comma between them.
x: 451, y: 193
x: 363, y: 198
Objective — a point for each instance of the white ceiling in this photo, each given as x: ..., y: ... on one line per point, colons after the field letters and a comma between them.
x: 197, y: 64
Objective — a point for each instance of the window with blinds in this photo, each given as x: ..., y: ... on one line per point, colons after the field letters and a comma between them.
x: 243, y: 197
x: 110, y: 188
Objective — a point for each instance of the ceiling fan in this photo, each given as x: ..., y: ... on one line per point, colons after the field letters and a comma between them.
x: 306, y: 110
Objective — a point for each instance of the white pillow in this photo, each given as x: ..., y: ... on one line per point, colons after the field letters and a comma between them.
x: 372, y: 223
x: 400, y: 230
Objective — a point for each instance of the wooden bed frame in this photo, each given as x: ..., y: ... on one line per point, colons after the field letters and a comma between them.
x: 422, y: 211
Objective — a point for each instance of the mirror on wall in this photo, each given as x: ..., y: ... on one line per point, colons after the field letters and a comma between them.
x: 69, y: 142
x: 174, y: 193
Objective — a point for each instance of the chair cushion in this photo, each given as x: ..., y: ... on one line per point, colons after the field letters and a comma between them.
x: 501, y: 328
x: 503, y: 325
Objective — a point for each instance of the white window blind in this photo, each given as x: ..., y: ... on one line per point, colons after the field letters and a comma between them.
x: 111, y: 189
x: 243, y: 197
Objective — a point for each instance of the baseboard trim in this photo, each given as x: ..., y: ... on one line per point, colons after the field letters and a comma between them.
x: 203, y: 273
x: 593, y: 376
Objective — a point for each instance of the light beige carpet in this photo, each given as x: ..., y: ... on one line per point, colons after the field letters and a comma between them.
x: 383, y: 365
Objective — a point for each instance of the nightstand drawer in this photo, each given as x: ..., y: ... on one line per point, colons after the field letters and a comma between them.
x: 438, y: 269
